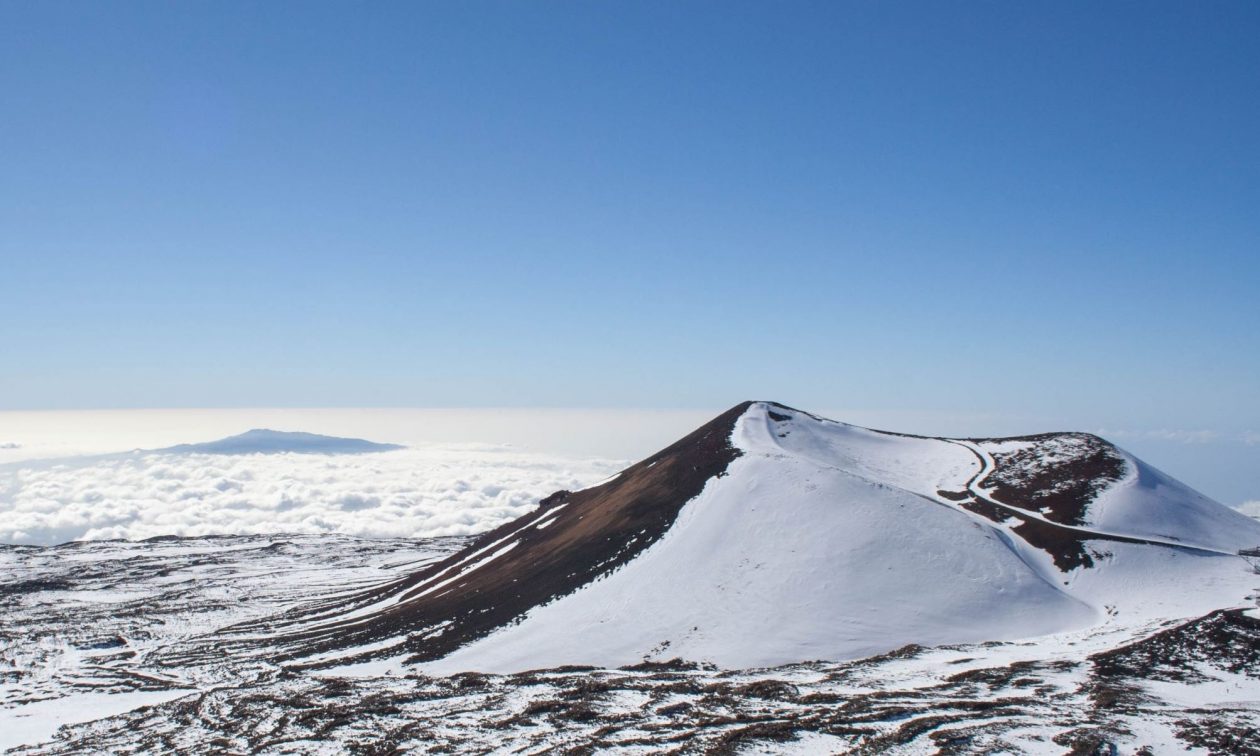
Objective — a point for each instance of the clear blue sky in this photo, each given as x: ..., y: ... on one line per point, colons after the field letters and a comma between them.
x: 1048, y: 210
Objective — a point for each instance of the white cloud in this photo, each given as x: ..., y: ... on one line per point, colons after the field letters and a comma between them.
x: 427, y: 491
x: 1164, y: 434
x: 1249, y: 437
x: 1250, y: 508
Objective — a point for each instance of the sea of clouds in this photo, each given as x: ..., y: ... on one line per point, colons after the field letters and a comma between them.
x: 448, y: 482
x: 416, y: 492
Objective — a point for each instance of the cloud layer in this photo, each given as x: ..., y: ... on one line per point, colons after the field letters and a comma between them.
x: 1183, y: 436
x: 430, y: 491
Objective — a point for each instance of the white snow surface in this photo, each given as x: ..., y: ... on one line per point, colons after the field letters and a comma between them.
x: 38, y: 721
x: 1149, y: 503
x: 828, y: 541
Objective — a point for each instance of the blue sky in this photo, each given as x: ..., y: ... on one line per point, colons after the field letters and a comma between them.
x: 1038, y: 211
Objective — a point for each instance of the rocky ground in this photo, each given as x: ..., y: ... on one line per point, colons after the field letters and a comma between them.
x: 81, y: 626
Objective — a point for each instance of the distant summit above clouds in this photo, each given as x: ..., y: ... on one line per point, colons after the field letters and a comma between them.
x: 264, y: 441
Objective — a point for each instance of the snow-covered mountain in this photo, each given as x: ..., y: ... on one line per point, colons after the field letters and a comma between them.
x: 772, y: 582
x: 771, y: 536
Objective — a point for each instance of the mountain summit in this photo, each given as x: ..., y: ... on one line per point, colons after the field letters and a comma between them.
x: 266, y: 441
x: 770, y: 535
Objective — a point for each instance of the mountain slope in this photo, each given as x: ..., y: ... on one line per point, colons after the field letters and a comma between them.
x: 572, y: 539
x: 771, y: 536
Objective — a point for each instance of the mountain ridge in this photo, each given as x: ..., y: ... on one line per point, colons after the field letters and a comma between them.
x: 838, y: 514
x: 268, y: 441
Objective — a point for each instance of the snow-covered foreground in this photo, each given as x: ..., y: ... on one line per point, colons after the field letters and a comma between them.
x: 78, y: 622
x: 80, y: 625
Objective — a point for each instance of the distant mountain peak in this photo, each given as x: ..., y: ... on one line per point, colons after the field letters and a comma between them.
x: 267, y: 441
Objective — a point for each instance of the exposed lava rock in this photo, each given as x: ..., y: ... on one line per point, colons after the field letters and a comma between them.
x: 1057, y: 474
x: 982, y: 698
x: 1227, y: 639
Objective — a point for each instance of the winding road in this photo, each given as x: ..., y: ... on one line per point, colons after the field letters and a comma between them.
x: 988, y: 465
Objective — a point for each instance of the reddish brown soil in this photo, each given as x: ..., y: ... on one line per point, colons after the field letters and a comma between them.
x: 1064, y: 489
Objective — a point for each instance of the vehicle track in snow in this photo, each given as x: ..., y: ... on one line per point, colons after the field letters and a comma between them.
x: 988, y: 465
